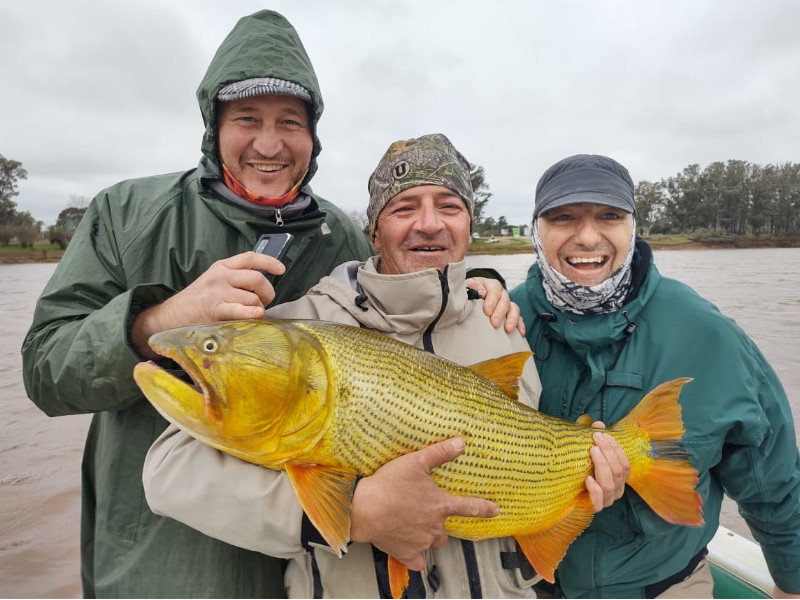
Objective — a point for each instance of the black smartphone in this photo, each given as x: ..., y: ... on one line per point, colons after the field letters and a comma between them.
x: 273, y: 244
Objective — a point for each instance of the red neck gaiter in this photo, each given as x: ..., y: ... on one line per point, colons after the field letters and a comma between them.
x: 237, y: 188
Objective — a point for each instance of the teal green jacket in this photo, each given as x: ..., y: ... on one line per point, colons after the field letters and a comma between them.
x: 139, y: 242
x: 739, y: 427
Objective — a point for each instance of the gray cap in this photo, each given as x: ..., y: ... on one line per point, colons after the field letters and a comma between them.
x: 261, y: 86
x: 427, y: 160
x: 583, y: 178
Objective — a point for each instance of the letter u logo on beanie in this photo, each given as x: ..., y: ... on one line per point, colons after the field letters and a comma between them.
x: 400, y: 170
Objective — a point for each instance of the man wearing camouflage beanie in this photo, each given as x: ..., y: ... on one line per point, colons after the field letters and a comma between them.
x: 420, y: 215
x: 428, y: 160
x: 425, y: 185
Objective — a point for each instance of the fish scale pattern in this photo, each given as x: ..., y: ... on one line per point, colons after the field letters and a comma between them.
x: 394, y: 398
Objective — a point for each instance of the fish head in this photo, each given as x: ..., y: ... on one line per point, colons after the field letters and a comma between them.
x: 258, y: 388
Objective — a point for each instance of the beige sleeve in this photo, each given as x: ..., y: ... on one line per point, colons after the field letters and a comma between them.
x: 221, y: 496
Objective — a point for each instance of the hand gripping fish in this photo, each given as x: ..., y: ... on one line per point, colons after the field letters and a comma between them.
x: 328, y: 402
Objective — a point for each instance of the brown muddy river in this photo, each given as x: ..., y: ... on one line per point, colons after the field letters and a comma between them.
x: 40, y: 456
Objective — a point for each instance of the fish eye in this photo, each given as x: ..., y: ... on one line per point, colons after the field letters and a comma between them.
x: 210, y: 346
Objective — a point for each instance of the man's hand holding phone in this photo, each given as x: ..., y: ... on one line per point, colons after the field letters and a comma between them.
x: 232, y: 288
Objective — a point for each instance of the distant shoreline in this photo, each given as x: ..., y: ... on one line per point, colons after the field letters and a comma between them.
x: 657, y: 242
x: 505, y: 245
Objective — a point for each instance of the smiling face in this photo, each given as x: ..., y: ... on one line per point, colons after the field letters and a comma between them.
x: 265, y: 141
x: 586, y: 242
x: 423, y: 227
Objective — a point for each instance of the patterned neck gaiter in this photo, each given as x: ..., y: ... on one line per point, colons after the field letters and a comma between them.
x: 237, y: 188
x: 605, y: 297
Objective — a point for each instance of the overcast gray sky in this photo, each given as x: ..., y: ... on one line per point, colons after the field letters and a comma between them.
x: 94, y: 91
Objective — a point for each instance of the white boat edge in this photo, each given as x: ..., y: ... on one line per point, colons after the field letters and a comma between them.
x: 742, y: 558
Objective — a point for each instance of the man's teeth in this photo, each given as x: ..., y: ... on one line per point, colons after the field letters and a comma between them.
x: 427, y: 248
x: 268, y: 168
x: 596, y: 259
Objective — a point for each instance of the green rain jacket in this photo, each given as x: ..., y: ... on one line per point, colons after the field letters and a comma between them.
x: 739, y: 426
x: 139, y: 242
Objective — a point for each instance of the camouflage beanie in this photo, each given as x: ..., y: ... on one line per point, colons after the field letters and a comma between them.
x: 426, y: 160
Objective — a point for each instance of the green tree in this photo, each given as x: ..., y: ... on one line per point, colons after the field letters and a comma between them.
x: 11, y: 172
x: 70, y: 217
x: 762, y: 199
x: 26, y: 229
x: 480, y: 193
x: 66, y: 224
x: 683, y: 200
x: 649, y: 202
x: 489, y: 226
x: 787, y: 198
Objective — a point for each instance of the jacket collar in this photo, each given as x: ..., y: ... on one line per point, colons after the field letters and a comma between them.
x: 389, y: 305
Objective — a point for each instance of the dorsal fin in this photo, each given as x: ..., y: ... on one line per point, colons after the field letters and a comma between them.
x: 504, y: 372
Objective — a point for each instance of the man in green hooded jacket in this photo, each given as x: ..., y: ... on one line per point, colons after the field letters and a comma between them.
x: 172, y: 250
x: 169, y: 250
x: 606, y: 328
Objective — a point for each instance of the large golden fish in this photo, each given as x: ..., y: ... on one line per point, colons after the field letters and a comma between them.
x: 328, y: 402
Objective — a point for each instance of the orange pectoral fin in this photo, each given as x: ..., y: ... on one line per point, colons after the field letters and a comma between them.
x: 504, y: 372
x: 545, y: 549
x: 398, y: 577
x: 326, y: 495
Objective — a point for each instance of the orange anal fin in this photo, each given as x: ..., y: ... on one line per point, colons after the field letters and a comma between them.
x: 398, y: 577
x: 585, y: 419
x: 545, y: 549
x: 326, y: 495
x: 504, y: 372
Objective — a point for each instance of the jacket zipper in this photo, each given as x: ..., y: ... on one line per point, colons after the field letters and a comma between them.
x: 470, y: 559
x: 427, y: 337
x: 278, y: 218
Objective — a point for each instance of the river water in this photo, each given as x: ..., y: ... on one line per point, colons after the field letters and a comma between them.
x: 40, y: 457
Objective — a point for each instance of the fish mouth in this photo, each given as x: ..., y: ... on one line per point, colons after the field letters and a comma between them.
x: 170, y: 395
x: 177, y: 395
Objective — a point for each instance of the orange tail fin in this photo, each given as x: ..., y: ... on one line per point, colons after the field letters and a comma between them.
x: 668, y: 481
x: 398, y: 577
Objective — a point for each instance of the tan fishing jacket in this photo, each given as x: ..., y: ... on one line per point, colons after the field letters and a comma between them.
x: 256, y: 508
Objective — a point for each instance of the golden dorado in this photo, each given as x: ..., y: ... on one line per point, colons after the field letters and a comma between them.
x: 328, y: 402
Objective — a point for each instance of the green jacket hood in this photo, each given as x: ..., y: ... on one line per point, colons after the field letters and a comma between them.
x: 263, y: 44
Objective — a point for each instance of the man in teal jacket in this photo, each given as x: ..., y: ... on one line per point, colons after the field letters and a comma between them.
x: 169, y: 250
x: 606, y: 328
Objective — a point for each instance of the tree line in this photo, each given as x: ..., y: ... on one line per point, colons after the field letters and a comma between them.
x: 13, y: 223
x: 726, y: 198
x: 20, y: 225
x: 731, y: 198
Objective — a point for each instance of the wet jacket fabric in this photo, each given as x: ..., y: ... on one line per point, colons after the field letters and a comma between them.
x: 739, y: 427
x: 257, y: 508
x: 139, y: 242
